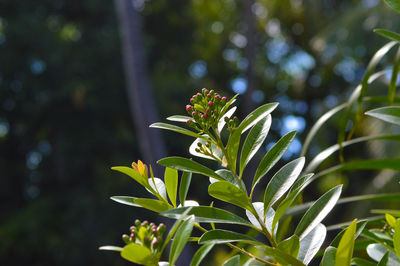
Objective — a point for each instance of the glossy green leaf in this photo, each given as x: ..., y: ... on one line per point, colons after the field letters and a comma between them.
x: 205, y: 214
x: 179, y: 118
x: 125, y: 200
x: 219, y: 236
x: 281, y: 182
x: 179, y: 218
x: 281, y: 257
x: 186, y: 178
x: 266, y: 218
x: 318, y: 211
x: 395, y: 4
x: 216, y: 151
x: 111, y: 248
x: 345, y: 249
x: 183, y: 164
x: 175, y: 129
x: 389, y: 114
x: 388, y: 34
x: 201, y: 253
x: 248, y: 122
x: 180, y: 239
x: 329, y: 257
x: 171, y: 183
x: 361, y: 262
x: 384, y: 261
x: 254, y: 140
x: 377, y: 251
x: 233, y: 261
x: 288, y: 201
x: 390, y: 220
x: 396, y: 238
x: 395, y: 213
x: 360, y: 227
x: 224, y: 109
x: 153, y: 204
x: 139, y: 254
x: 273, y: 156
x: 311, y: 243
x: 158, y: 186
x: 132, y: 173
x: 229, y: 176
x: 379, y: 237
x: 230, y: 193
x: 290, y: 246
x: 221, y: 122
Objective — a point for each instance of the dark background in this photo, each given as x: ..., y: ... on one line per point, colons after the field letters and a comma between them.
x: 66, y: 117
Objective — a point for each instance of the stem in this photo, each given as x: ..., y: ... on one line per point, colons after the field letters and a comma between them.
x: 241, y: 250
x: 264, y: 229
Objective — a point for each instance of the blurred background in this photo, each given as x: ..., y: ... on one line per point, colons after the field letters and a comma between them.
x: 80, y: 81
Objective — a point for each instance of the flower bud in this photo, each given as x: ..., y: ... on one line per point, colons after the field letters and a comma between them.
x: 137, y: 222
x: 125, y: 238
x: 204, y: 91
x: 189, y: 122
x: 194, y: 113
x: 226, y: 119
x: 154, y: 229
x: 188, y: 108
x: 208, y: 95
x: 205, y: 115
x: 132, y: 229
x: 210, y: 103
x: 191, y: 100
x: 224, y: 98
x: 145, y: 223
x: 208, y: 110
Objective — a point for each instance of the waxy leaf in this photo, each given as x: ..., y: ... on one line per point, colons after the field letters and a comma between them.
x: 273, y: 156
x: 389, y: 114
x: 223, y: 236
x: 111, y: 248
x: 317, y: 212
x: 180, y: 239
x: 153, y: 204
x: 360, y: 227
x: 201, y: 253
x: 311, y: 243
x: 377, y: 251
x: 281, y: 257
x: 228, y: 192
x: 158, y: 186
x: 384, y: 261
x: 132, y: 173
x: 216, y: 151
x: 329, y: 257
x: 233, y: 261
x: 361, y: 262
x: 125, y: 200
x: 183, y: 164
x: 282, y: 181
x: 171, y: 183
x: 266, y: 218
x: 186, y: 178
x: 176, y: 129
x: 396, y: 238
x: 388, y: 34
x: 139, y: 254
x: 221, y: 122
x: 179, y: 118
x: 205, y: 214
x: 395, y: 4
x: 290, y: 246
x: 254, y: 140
x: 345, y: 249
x: 390, y: 220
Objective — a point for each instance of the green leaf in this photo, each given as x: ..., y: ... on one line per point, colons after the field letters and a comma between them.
x: 201, y: 253
x: 233, y: 261
x: 176, y: 129
x: 345, y: 249
x: 395, y: 4
x: 385, y: 259
x: 158, y: 187
x: 311, y: 243
x: 139, y: 254
x: 317, y: 212
x: 179, y: 118
x: 266, y: 218
x: 395, y: 213
x: 290, y: 246
x: 396, y: 238
x: 250, y: 120
x: 361, y: 262
x: 227, y: 105
x: 282, y: 181
x: 281, y: 257
x: 273, y: 156
x: 186, y: 178
x: 377, y: 251
x: 205, y: 214
x: 288, y: 201
x: 171, y: 183
x: 180, y: 239
x: 216, y: 151
x: 390, y: 220
x: 111, y: 248
x: 153, y: 204
x: 221, y: 122
x: 183, y: 164
x: 132, y: 173
x: 360, y: 227
x: 228, y: 192
x: 389, y: 114
x: 219, y: 236
x: 388, y: 34
x: 125, y: 200
x: 254, y: 140
x: 329, y: 257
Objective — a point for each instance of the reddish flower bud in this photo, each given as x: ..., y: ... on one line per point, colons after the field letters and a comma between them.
x: 205, y: 115
x: 224, y: 98
x: 210, y: 103
x: 194, y: 113
x: 191, y: 100
x: 208, y: 110
x: 188, y: 108
x: 198, y: 94
x: 209, y: 95
x: 189, y: 122
x: 217, y: 97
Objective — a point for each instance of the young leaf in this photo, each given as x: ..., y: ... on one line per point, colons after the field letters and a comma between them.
x: 179, y: 118
x: 395, y: 4
x: 153, y: 204
x: 254, y: 140
x: 388, y: 34
x: 171, y: 183
x: 228, y: 192
x: 396, y: 238
x: 389, y: 114
x: 290, y: 246
x: 138, y: 254
x: 345, y: 249
x: 186, y: 178
x: 282, y: 181
x: 329, y: 257
x: 233, y: 261
x: 219, y: 236
x: 205, y: 214
x: 311, y: 243
x: 176, y: 129
x: 390, y: 220
x: 183, y: 164
x: 125, y: 200
x: 360, y: 227
x: 273, y: 156
x: 180, y: 239
x: 201, y: 253
x: 317, y: 212
x: 132, y: 173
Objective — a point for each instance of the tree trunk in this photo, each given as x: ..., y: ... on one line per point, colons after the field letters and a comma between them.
x: 140, y: 95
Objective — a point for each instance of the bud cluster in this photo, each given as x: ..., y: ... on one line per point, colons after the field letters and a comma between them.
x: 231, y: 123
x: 146, y: 234
x: 205, y: 109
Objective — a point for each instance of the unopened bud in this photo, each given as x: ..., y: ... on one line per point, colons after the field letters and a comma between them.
x: 161, y: 228
x: 208, y: 95
x: 226, y: 119
x: 145, y: 223
x: 210, y: 103
x: 194, y: 113
x: 188, y: 108
x: 208, y: 110
x: 125, y: 238
x: 224, y: 98
x: 137, y: 222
